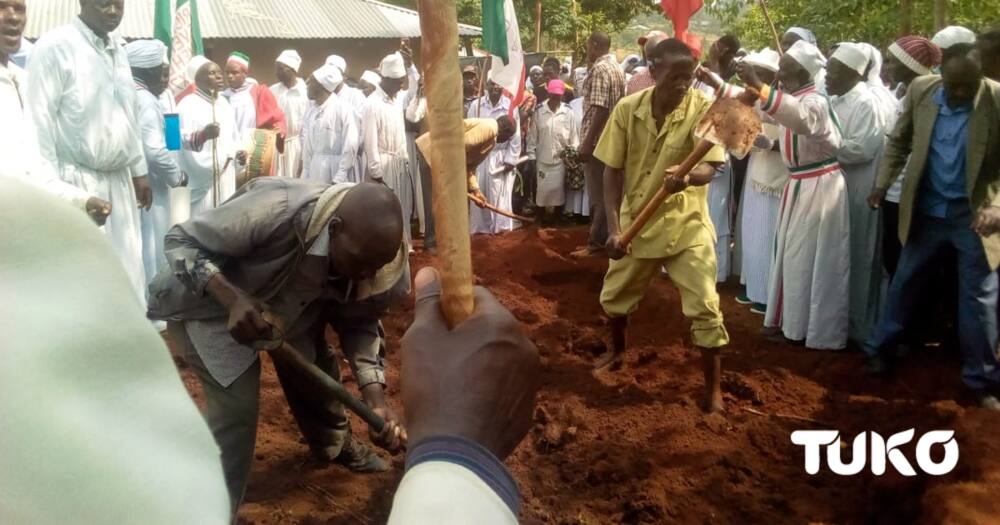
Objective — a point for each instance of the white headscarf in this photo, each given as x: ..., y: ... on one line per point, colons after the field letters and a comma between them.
x: 952, y: 35
x: 392, y: 66
x: 888, y: 104
x: 803, y: 33
x: 371, y: 77
x: 146, y: 54
x: 329, y: 76
x: 766, y: 58
x: 338, y: 62
x: 852, y: 56
x: 290, y: 58
x: 195, y: 65
x: 808, y: 56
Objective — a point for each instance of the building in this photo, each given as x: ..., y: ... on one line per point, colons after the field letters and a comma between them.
x: 361, y: 31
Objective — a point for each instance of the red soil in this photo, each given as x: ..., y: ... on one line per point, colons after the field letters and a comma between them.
x: 633, y: 447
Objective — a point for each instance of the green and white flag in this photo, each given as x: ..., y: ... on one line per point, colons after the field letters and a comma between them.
x: 180, y: 30
x: 502, y: 38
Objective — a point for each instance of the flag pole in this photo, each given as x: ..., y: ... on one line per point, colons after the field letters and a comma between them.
x: 443, y: 82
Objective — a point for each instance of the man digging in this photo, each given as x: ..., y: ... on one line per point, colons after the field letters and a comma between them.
x: 650, y: 133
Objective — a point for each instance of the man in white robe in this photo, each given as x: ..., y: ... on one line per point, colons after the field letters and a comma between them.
x: 83, y: 102
x: 354, y: 99
x: 810, y: 275
x: 18, y: 139
x: 290, y: 91
x: 148, y: 58
x: 386, y: 156
x: 498, y: 189
x: 330, y: 142
x: 863, y: 128
x: 208, y: 126
x: 254, y: 106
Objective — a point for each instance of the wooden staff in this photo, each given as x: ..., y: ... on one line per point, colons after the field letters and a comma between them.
x: 443, y: 82
x: 498, y: 211
x: 215, y: 157
x: 661, y: 195
x: 774, y: 31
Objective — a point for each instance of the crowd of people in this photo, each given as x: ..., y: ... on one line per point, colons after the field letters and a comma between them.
x: 868, y: 170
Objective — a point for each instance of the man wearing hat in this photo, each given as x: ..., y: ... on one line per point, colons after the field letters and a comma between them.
x: 947, y: 142
x: 863, y: 133
x: 254, y: 106
x: 470, y: 86
x: 808, y: 291
x: 19, y: 144
x: 793, y: 35
x: 330, y: 136
x: 290, y: 92
x: 386, y: 155
x: 351, y: 96
x: 642, y: 79
x: 368, y: 82
x: 148, y: 59
x: 208, y: 127
x: 82, y: 99
x: 909, y: 57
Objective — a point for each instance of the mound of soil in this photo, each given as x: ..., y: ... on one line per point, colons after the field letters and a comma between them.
x: 633, y: 447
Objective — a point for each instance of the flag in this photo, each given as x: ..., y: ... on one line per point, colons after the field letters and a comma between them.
x: 182, y: 35
x: 502, y: 38
x: 680, y: 12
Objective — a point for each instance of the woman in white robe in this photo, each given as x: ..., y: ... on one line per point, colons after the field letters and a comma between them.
x: 810, y: 275
x: 577, y: 201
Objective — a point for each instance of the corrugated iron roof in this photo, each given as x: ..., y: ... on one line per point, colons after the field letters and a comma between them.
x: 292, y: 19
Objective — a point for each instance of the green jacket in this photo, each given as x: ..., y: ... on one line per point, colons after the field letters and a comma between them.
x: 909, y: 143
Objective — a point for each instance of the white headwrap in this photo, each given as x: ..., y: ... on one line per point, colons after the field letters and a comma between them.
x: 290, y: 58
x: 579, y: 77
x: 808, y: 56
x: 329, y: 76
x: 766, y: 58
x: 371, y: 77
x: 146, y: 54
x: 195, y: 65
x: 803, y: 33
x: 338, y: 62
x: 952, y: 35
x: 853, y: 56
x: 392, y: 66
x: 535, y: 68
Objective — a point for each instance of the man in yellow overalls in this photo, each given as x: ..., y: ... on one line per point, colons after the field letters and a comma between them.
x: 648, y: 135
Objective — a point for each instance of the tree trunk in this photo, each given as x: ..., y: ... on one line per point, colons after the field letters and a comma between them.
x: 905, y: 17
x: 538, y: 25
x: 940, y: 14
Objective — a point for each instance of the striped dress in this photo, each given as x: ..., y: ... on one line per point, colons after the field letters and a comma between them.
x: 759, y: 221
x: 810, y: 273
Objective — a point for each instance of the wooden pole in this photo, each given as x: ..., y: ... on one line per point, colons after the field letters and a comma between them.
x: 443, y: 82
x: 770, y: 24
x: 538, y: 26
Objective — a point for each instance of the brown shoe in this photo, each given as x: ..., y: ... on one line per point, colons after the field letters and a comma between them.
x: 360, y: 459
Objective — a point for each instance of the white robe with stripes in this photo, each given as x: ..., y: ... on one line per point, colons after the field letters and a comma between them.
x: 810, y: 275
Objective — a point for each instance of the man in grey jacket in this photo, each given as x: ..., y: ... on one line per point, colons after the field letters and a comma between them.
x: 298, y: 255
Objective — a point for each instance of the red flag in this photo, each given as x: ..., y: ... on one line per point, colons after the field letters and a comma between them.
x: 679, y: 12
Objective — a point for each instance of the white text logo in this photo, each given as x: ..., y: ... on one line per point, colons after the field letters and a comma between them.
x: 870, y: 445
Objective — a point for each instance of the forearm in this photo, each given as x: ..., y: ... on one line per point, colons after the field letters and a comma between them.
x: 614, y: 187
x: 223, y: 291
x: 596, y: 126
x: 703, y: 173
x: 361, y: 341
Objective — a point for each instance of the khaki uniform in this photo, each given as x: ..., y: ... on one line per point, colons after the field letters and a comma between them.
x: 680, y: 236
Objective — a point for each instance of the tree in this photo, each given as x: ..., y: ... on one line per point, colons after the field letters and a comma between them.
x: 565, y: 23
x: 876, y: 21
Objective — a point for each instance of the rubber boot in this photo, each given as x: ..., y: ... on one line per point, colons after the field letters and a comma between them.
x: 711, y: 365
x: 613, y: 359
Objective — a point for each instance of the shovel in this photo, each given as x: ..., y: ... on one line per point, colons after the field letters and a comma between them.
x: 731, y: 123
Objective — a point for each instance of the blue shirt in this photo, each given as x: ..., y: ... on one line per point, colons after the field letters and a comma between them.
x: 944, y: 183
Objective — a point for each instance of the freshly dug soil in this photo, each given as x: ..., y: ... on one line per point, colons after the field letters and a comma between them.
x: 633, y: 446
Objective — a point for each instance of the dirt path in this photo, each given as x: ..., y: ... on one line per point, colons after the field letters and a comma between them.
x: 634, y: 448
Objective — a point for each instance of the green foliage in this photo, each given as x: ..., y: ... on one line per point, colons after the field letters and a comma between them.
x: 874, y: 21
